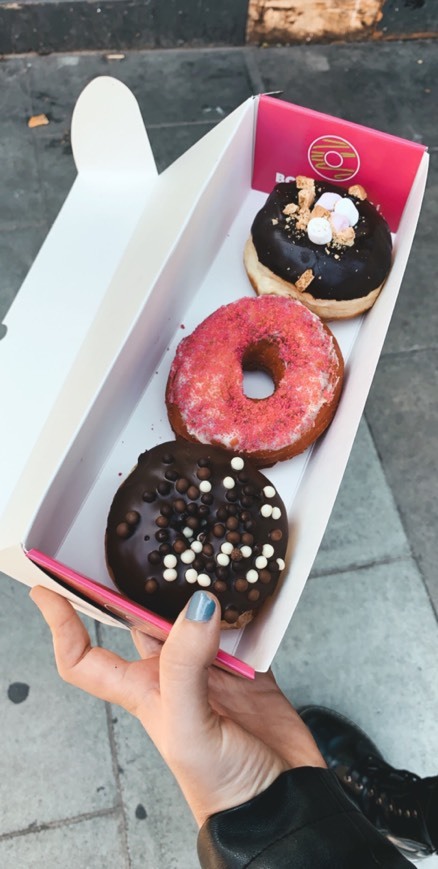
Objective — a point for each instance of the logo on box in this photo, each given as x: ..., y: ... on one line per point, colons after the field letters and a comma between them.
x: 333, y: 158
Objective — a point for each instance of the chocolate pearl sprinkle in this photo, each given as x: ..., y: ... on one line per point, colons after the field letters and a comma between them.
x: 132, y: 517
x: 207, y: 498
x: 219, y: 585
x: 241, y: 584
x: 233, y: 537
x: 179, y: 545
x: 222, y: 513
x: 276, y: 534
x: 203, y: 473
x: 166, y: 510
x: 179, y: 505
x: 193, y: 509
x: 265, y: 576
x: 254, y: 594
x: 232, y: 495
x: 247, y: 539
x: 219, y: 530
x: 231, y: 615
x: 162, y: 535
x: 163, y: 487
x: 154, y: 557
x: 193, y: 522
x: 203, y: 463
x: 193, y: 492
x: 208, y: 549
x: 123, y: 530
x: 232, y: 523
x: 171, y: 475
x: 167, y: 459
x: 150, y: 585
x: 232, y: 510
x: 182, y: 485
x: 236, y: 555
x: 149, y: 496
x: 164, y: 548
x: 161, y: 521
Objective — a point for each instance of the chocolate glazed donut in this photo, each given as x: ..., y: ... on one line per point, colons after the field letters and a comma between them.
x: 337, y: 273
x: 191, y: 516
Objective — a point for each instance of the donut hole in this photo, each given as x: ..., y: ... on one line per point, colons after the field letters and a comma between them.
x: 262, y: 370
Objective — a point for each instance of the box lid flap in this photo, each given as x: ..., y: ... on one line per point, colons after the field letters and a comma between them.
x: 61, y: 294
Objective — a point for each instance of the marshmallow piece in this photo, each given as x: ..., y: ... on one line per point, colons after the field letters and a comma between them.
x: 347, y: 207
x: 328, y: 200
x: 319, y: 230
x: 339, y: 221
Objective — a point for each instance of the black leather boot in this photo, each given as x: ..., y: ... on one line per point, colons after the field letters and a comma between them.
x: 399, y: 803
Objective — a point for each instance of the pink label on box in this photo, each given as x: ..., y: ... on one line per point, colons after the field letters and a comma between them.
x: 291, y: 140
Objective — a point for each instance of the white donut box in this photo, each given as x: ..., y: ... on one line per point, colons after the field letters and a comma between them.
x: 133, y: 262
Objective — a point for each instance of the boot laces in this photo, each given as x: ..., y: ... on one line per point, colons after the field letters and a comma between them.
x: 382, y: 784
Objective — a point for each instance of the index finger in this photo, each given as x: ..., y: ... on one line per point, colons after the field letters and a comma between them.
x: 98, y: 671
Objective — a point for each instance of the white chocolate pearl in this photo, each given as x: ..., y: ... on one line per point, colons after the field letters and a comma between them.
x: 268, y: 550
x: 205, y: 486
x: 229, y: 482
x: 269, y: 491
x: 280, y: 563
x: 227, y: 548
x: 188, y: 532
x: 246, y: 551
x: 328, y: 200
x: 276, y: 512
x: 191, y: 575
x: 252, y: 576
x: 169, y: 560
x: 347, y: 207
x: 261, y: 562
x: 319, y: 230
x: 187, y: 556
x: 204, y: 580
x: 196, y: 546
x: 170, y: 574
x: 266, y: 510
x: 222, y: 559
x: 237, y: 463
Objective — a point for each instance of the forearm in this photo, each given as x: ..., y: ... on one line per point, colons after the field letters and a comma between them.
x: 303, y: 819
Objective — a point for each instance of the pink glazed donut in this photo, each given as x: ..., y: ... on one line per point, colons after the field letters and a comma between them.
x: 204, y: 395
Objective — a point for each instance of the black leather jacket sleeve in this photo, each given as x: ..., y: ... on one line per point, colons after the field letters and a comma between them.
x: 302, y: 821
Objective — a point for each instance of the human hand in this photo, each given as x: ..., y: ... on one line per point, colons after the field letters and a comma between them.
x: 205, y: 723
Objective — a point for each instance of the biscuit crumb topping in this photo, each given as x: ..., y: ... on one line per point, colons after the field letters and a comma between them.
x: 358, y: 191
x: 337, y: 212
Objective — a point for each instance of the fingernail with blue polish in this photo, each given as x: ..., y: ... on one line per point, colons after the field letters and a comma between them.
x: 201, y: 607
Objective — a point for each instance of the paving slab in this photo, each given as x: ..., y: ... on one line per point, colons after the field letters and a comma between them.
x: 414, y: 324
x: 92, y: 843
x: 18, y: 248
x: 365, y: 643
x: 57, y: 737
x: 356, y: 534
x: 402, y: 412
x: 161, y: 831
x: 357, y: 82
x: 171, y: 87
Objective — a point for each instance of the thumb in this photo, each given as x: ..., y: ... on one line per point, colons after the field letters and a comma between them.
x: 185, y: 658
